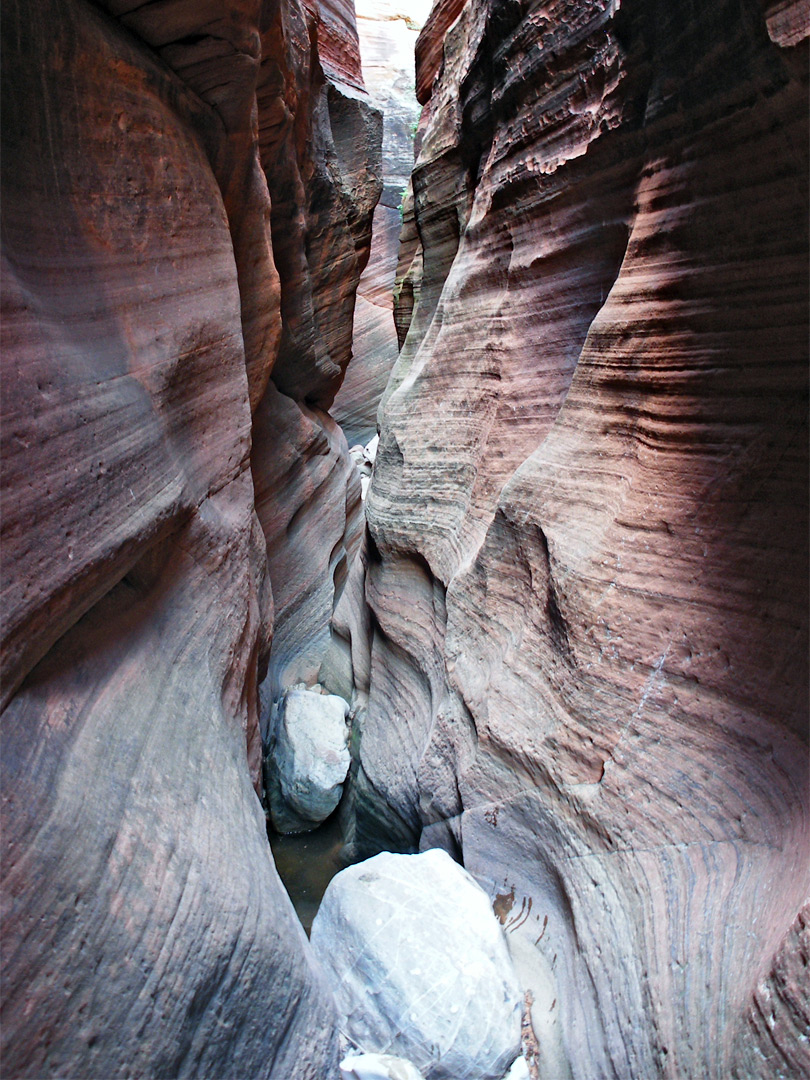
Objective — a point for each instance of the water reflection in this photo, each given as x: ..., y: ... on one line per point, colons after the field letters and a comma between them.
x: 307, y: 863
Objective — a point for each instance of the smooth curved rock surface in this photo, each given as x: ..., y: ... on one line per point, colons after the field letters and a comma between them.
x: 388, y: 32
x: 307, y: 493
x: 374, y: 345
x: 319, y: 145
x: 587, y: 564
x: 419, y: 966
x: 146, y: 296
x: 430, y: 46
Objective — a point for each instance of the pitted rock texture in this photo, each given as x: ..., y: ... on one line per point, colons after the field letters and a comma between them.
x: 151, y: 285
x: 587, y: 564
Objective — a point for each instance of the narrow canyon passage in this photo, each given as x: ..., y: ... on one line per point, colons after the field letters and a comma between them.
x: 544, y: 265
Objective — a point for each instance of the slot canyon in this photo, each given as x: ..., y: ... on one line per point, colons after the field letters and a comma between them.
x: 543, y: 264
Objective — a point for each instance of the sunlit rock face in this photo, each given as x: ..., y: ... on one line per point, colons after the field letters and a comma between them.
x: 170, y: 323
x: 388, y: 32
x: 586, y: 662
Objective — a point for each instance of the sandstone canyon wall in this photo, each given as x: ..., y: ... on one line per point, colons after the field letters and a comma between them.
x: 583, y: 659
x: 575, y: 632
x: 187, y: 200
x: 388, y: 32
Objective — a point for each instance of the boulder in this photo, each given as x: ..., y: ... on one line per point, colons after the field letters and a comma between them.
x: 419, y: 965
x: 519, y: 1070
x: 308, y: 761
x: 377, y: 1067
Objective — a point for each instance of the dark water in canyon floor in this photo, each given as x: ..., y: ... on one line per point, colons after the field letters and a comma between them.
x: 306, y: 863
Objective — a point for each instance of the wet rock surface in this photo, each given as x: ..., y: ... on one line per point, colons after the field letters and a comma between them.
x: 419, y: 966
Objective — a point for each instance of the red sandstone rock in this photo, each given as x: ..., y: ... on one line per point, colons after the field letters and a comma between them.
x: 780, y: 1012
x: 338, y: 45
x: 307, y: 493
x: 431, y: 44
x: 374, y: 343
x: 216, y: 51
x: 387, y: 38
x: 589, y: 520
x: 145, y: 930
x: 319, y: 142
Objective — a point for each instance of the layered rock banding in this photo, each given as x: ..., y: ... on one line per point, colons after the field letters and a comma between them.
x: 585, y: 668
x: 388, y: 32
x: 187, y: 199
x: 576, y: 632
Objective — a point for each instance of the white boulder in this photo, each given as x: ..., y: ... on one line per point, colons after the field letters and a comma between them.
x: 308, y: 761
x: 419, y: 966
x: 519, y: 1070
x: 377, y: 1067
x: 370, y: 450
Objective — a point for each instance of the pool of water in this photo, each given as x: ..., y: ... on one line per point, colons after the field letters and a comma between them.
x: 307, y: 862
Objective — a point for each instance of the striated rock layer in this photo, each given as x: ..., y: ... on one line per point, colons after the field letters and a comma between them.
x: 388, y: 32
x: 585, y: 667
x: 187, y: 199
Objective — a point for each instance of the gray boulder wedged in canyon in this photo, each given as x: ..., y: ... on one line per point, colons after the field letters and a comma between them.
x: 419, y: 966
x: 308, y: 760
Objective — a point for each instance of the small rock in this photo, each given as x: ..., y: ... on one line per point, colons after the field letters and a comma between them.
x: 309, y: 760
x: 419, y: 965
x: 370, y: 450
x: 519, y: 1070
x: 377, y: 1067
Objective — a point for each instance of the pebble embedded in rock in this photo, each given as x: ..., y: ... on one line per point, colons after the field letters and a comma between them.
x: 309, y: 760
x: 419, y: 965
